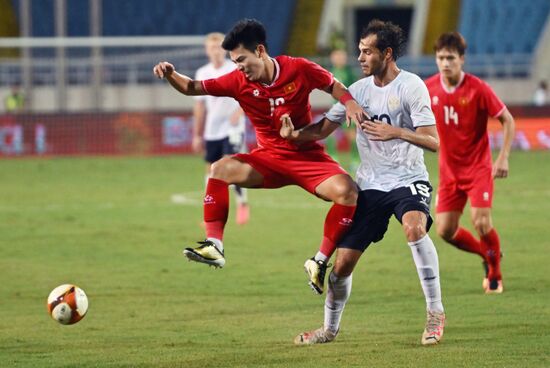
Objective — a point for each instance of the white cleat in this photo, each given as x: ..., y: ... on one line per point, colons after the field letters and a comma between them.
x: 318, y: 336
x: 207, y: 253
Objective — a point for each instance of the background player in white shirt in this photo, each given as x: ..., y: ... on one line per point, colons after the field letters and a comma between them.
x: 219, y: 122
x: 392, y: 176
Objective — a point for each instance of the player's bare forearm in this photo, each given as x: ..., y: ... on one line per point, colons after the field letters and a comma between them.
x: 337, y: 89
x: 354, y: 111
x: 185, y: 85
x: 425, y: 136
x: 199, y: 118
x: 509, y: 128
x: 180, y: 82
x: 312, y: 132
x: 501, y: 166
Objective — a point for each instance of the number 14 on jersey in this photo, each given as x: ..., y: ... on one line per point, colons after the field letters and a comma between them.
x: 450, y: 114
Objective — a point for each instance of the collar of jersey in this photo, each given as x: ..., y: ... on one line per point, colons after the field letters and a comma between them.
x: 452, y: 89
x: 391, y: 82
x: 277, y: 72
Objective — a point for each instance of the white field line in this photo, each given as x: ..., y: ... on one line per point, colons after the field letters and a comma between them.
x: 195, y: 199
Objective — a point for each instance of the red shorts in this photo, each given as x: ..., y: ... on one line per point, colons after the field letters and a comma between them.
x: 307, y: 169
x: 453, y: 193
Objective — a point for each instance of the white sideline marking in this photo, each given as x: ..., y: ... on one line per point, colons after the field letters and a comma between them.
x: 186, y: 199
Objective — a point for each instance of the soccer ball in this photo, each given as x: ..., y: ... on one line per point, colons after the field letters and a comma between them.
x: 67, y: 304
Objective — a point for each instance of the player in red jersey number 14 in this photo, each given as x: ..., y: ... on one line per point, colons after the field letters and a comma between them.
x: 462, y: 104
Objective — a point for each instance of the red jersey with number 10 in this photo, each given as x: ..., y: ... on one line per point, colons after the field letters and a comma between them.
x: 264, y: 104
x: 461, y: 116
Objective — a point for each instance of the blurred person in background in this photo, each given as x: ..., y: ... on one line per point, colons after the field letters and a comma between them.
x: 14, y: 102
x: 462, y: 105
x: 344, y: 73
x: 541, y: 94
x: 219, y: 122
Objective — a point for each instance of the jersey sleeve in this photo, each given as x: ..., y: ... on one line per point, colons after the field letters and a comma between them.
x: 227, y: 85
x: 494, y: 105
x: 317, y: 76
x: 418, y: 99
x: 337, y: 113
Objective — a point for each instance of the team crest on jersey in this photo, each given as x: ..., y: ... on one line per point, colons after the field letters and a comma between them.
x: 289, y: 88
x: 435, y: 100
x: 393, y: 103
x: 463, y: 101
x: 256, y: 93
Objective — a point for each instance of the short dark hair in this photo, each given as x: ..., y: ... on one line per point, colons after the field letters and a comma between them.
x: 247, y: 32
x: 388, y: 35
x: 451, y: 41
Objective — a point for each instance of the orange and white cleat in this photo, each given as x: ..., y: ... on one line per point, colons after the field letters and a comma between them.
x: 318, y: 336
x: 433, y: 332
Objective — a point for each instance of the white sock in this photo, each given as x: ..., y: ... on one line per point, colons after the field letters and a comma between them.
x: 217, y: 242
x: 339, y: 290
x: 427, y: 265
x: 321, y: 257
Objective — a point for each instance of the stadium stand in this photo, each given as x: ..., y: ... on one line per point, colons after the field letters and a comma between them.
x: 168, y: 17
x: 500, y: 27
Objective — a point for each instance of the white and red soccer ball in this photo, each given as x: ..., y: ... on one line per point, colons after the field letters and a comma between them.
x: 67, y: 304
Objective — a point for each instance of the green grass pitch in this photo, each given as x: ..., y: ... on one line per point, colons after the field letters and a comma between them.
x: 110, y: 225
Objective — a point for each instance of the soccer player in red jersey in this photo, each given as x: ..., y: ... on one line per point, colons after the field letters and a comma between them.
x: 268, y: 88
x: 462, y: 104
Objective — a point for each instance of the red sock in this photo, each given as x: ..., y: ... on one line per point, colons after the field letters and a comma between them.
x: 337, y: 223
x: 216, y: 207
x: 464, y: 240
x: 492, y: 244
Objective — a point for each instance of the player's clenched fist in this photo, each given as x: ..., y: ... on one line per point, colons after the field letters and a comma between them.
x: 163, y: 69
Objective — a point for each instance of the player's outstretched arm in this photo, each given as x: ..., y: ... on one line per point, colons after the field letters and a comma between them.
x: 424, y: 136
x: 180, y: 82
x: 500, y: 167
x: 354, y: 111
x: 312, y: 132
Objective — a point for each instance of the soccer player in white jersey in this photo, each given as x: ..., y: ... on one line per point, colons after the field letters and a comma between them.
x: 392, y: 176
x: 219, y: 123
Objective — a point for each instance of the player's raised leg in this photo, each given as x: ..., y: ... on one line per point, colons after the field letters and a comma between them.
x: 427, y: 265
x: 341, y: 190
x: 224, y: 172
x: 339, y: 290
x: 483, y: 223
